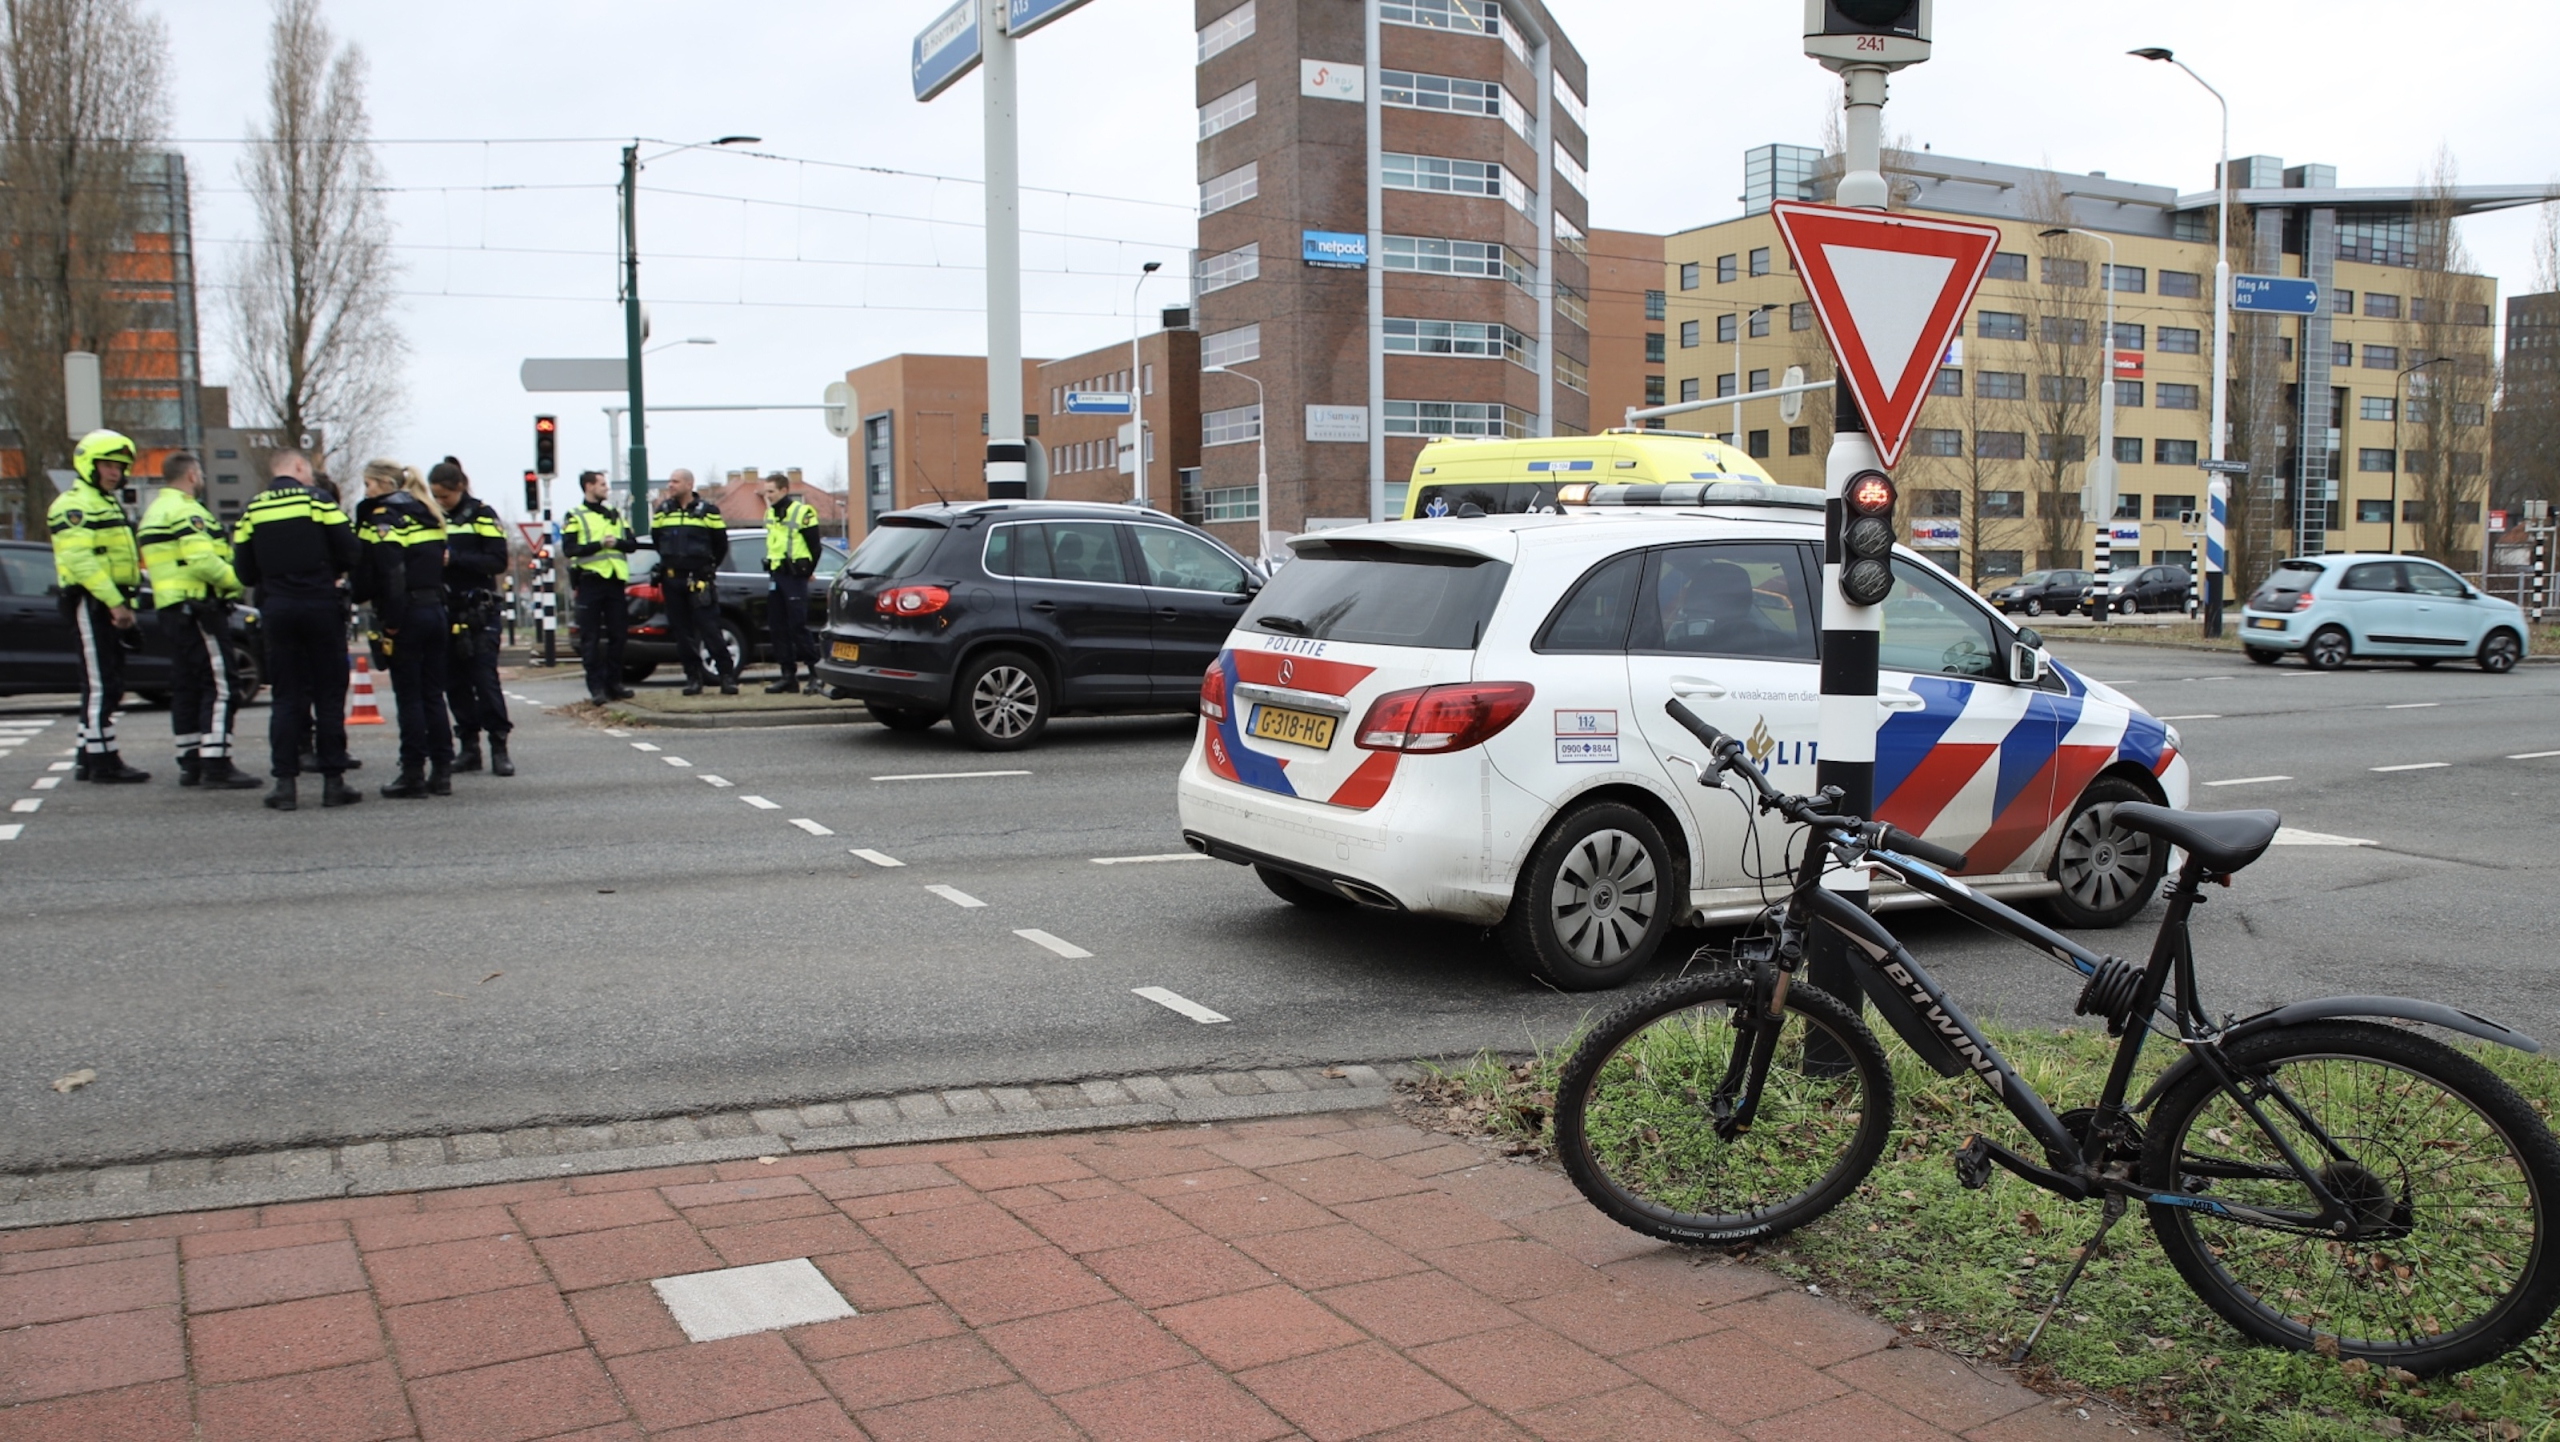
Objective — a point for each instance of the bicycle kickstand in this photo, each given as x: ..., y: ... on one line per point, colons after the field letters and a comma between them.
x: 2113, y: 1209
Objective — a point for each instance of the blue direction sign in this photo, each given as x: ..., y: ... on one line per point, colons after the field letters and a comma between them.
x: 1100, y: 403
x: 947, y: 49
x: 1021, y: 17
x: 2275, y: 295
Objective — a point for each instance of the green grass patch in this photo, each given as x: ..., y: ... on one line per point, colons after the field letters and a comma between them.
x: 1971, y: 1269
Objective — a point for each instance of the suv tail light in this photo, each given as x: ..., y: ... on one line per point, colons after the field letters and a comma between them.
x: 1442, y: 718
x: 911, y: 600
x: 1213, y: 692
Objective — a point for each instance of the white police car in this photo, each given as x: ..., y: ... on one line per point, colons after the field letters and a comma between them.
x: 1464, y: 719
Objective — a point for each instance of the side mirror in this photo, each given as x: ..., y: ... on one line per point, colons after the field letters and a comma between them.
x: 2027, y: 661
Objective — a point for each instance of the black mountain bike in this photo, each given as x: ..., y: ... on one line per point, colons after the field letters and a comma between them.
x: 2317, y: 1180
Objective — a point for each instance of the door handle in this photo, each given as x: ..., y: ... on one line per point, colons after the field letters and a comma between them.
x: 1698, y: 686
x: 1894, y: 698
x: 1044, y: 607
x: 1170, y: 613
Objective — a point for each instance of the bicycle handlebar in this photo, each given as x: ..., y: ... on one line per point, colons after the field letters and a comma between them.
x: 1731, y: 755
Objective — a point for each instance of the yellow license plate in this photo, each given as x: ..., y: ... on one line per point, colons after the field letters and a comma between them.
x: 848, y: 651
x: 2266, y: 623
x: 1299, y: 728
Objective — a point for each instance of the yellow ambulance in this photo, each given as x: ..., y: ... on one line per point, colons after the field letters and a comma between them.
x: 1507, y: 477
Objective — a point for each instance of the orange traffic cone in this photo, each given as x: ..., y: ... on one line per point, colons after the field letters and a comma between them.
x: 362, y: 711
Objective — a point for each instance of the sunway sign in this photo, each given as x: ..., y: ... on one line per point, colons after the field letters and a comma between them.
x: 1891, y: 292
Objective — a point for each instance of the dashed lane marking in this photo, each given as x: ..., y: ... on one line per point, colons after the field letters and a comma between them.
x: 32, y: 803
x: 2411, y: 705
x: 955, y: 896
x: 2192, y: 716
x: 761, y: 804
x: 675, y: 761
x: 1067, y: 949
x: 644, y: 745
x: 2412, y: 766
x: 2292, y: 836
x: 947, y: 775
x: 67, y: 765
x: 2248, y: 780
x: 718, y: 780
x: 1178, y: 1002
x: 10, y: 831
x: 876, y: 858
x: 2532, y: 755
x: 47, y: 783
x: 1137, y: 860
x: 812, y: 827
x: 617, y: 735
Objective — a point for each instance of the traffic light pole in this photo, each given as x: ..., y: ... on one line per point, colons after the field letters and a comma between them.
x: 632, y: 337
x: 1008, y: 452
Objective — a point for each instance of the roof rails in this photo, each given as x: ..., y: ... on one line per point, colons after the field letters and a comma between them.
x: 1689, y: 493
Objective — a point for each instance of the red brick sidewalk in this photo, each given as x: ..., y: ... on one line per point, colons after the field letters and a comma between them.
x: 1324, y: 1277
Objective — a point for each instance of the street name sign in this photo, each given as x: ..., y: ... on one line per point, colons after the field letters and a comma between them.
x: 1021, y: 17
x: 1890, y: 291
x: 947, y: 49
x: 1100, y: 403
x: 2275, y: 295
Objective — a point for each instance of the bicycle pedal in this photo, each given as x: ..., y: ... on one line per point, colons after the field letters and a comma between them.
x: 1973, y: 1164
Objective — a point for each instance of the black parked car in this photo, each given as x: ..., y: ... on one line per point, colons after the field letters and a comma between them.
x: 743, y: 589
x: 1002, y: 614
x: 2037, y: 592
x: 40, y: 650
x: 2152, y: 588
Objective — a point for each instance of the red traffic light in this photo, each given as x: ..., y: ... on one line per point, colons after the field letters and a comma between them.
x: 1870, y: 493
x: 545, y: 424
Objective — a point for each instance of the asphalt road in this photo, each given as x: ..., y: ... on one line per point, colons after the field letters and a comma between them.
x: 611, y: 934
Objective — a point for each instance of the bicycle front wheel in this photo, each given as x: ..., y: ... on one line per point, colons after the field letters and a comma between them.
x: 1633, y: 1127
x: 2448, y: 1170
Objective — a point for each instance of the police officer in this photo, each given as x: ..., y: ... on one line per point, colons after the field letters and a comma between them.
x: 790, y: 559
x: 475, y: 560
x: 193, y: 586
x: 294, y: 545
x: 403, y: 576
x: 599, y: 544
x: 94, y: 554
x: 693, y: 543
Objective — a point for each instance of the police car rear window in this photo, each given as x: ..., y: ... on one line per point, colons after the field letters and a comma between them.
x: 898, y: 548
x: 1380, y: 595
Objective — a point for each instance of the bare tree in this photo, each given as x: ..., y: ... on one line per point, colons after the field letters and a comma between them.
x: 2447, y: 322
x: 1964, y: 468
x: 82, y: 105
x: 2256, y: 533
x: 2069, y: 359
x: 311, y: 302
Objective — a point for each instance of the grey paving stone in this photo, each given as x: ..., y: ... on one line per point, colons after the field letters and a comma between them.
x: 1196, y: 1084
x: 1105, y: 1093
x: 922, y: 1107
x: 680, y: 1129
x: 369, y: 1157
x: 825, y: 1114
x: 777, y: 1122
x: 182, y: 1173
x: 119, y: 1181
x: 477, y: 1147
x: 1058, y: 1097
x: 873, y: 1112
x: 418, y: 1152
x: 1274, y: 1079
x: 725, y: 1125
x: 1363, y: 1076
x: 530, y: 1142
x: 12, y: 1189
x: 57, y: 1186
x: 304, y: 1164
x: 1151, y: 1089
x: 258, y: 1167
x: 968, y: 1103
x: 583, y: 1139
x: 1239, y: 1084
x: 1014, y: 1100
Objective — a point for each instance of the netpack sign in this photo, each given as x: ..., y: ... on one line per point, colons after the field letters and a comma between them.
x: 1334, y: 249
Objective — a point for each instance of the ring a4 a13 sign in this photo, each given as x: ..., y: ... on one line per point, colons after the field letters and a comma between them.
x: 1890, y: 291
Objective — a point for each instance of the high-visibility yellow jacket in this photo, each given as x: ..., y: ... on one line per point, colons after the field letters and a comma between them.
x: 93, y: 547
x: 791, y: 537
x: 184, y: 551
x: 597, y: 540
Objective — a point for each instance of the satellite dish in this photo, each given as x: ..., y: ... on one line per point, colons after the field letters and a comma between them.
x: 841, y: 408
x: 1792, y: 406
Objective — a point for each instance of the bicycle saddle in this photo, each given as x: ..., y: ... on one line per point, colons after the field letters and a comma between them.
x: 2224, y: 841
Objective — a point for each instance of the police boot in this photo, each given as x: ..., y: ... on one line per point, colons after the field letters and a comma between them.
x: 190, y: 769
x: 440, y: 780
x: 407, y: 786
x: 468, y: 759
x: 284, y: 797
x: 729, y: 684
x: 620, y: 692
x: 784, y: 687
x: 334, y: 791
x: 109, y: 767
x: 220, y: 775
x: 500, y: 763
x: 693, y: 688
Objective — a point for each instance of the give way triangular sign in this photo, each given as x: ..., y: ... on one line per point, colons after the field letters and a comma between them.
x: 1891, y: 291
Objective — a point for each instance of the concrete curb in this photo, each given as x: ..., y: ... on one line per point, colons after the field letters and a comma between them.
x: 409, y: 1164
x: 721, y: 720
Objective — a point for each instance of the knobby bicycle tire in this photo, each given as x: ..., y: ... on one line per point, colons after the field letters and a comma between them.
x: 2449, y: 1157
x: 1633, y: 1129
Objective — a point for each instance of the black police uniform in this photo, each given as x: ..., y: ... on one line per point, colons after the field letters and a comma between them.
x: 598, y: 544
x: 475, y: 556
x: 292, y: 544
x: 693, y: 542
x: 403, y: 577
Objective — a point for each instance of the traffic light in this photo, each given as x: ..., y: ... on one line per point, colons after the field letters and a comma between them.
x: 532, y: 494
x: 1891, y: 33
x: 546, y: 445
x: 1866, y: 539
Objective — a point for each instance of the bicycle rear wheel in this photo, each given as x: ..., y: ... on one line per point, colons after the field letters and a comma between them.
x: 1633, y: 1128
x: 2448, y: 1160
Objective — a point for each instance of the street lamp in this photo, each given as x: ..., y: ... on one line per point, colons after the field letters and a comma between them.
x: 1261, y: 466
x: 688, y: 340
x: 2399, y: 404
x: 631, y: 325
x: 1137, y: 387
x: 2106, y: 468
x: 2217, y: 481
x: 1741, y: 323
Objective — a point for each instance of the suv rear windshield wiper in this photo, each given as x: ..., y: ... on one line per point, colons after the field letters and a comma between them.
x: 1290, y: 624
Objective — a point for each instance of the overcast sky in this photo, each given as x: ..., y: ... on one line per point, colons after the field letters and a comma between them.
x: 801, y: 268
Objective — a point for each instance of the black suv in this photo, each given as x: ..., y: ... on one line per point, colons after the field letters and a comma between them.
x: 1001, y: 614
x: 40, y: 648
x: 2037, y: 592
x: 2152, y: 588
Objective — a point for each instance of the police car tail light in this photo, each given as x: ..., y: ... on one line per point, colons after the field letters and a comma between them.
x: 1213, y: 692
x: 911, y: 601
x: 1442, y: 718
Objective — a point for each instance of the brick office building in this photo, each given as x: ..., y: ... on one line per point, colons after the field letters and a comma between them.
x: 1627, y: 335
x: 1392, y: 242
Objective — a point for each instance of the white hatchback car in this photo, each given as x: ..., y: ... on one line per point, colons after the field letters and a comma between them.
x: 1464, y: 719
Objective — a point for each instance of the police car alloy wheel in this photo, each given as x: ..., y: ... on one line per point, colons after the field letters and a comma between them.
x: 1595, y: 900
x: 2107, y: 873
x: 1001, y: 703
